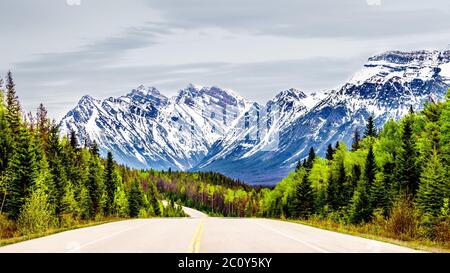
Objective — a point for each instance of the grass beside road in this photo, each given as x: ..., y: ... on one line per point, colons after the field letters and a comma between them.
x: 373, y: 232
x: 18, y: 239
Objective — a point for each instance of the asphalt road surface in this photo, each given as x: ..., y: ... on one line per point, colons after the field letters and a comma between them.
x: 200, y: 233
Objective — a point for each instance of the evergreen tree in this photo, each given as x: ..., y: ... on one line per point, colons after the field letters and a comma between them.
x: 12, y: 106
x: 43, y: 125
x: 94, y: 149
x: 379, y: 196
x: 24, y: 170
x: 135, y: 199
x: 407, y: 173
x: 303, y: 199
x: 86, y: 206
x: 73, y: 140
x: 356, y: 140
x: 110, y: 182
x: 310, y: 160
x: 299, y: 165
x: 433, y: 187
x: 360, y: 210
x: 370, y: 128
x: 152, y: 197
x: 56, y: 168
x: 5, y: 137
x: 370, y: 167
x: 330, y: 152
x: 94, y: 184
x: 337, y: 180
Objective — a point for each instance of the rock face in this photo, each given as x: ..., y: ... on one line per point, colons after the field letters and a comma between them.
x: 212, y: 129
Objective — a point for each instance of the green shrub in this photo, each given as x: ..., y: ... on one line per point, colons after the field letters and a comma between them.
x: 36, y: 215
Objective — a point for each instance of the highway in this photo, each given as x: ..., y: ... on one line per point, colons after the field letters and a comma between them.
x: 202, y: 234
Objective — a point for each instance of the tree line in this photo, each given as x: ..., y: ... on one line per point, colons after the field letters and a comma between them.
x: 210, y: 192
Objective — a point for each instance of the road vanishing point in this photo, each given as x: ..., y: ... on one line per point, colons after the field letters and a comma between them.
x: 201, y: 234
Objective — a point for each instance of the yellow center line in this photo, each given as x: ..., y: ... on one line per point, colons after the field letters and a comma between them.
x: 199, y: 237
x: 195, y: 242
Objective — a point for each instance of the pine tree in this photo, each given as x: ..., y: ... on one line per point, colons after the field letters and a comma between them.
x: 73, y: 140
x: 5, y: 137
x: 337, y: 181
x: 94, y: 149
x: 94, y: 184
x: 303, y: 201
x: 110, y: 182
x: 153, y: 199
x: 434, y: 186
x: 23, y: 169
x: 12, y: 105
x: 370, y: 128
x: 299, y: 165
x: 56, y: 168
x: 135, y: 199
x: 43, y: 125
x: 330, y: 152
x: 407, y: 173
x: 360, y: 210
x: 86, y: 206
x: 370, y: 167
x: 379, y: 196
x: 356, y: 140
x: 310, y: 160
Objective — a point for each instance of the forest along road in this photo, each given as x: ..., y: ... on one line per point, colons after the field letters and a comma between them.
x: 200, y: 233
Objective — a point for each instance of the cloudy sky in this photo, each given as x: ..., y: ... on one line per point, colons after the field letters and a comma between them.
x: 60, y: 50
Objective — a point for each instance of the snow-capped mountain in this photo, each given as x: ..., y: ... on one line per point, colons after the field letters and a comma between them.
x: 146, y: 129
x: 211, y: 129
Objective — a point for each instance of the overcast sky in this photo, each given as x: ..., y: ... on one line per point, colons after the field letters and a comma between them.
x: 60, y: 50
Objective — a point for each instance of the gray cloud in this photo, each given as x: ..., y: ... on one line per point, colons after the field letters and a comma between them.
x: 256, y: 81
x: 319, y: 18
x: 104, y: 47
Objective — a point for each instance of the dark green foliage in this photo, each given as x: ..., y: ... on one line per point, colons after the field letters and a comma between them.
x: 23, y: 172
x: 370, y: 128
x: 336, y: 189
x: 94, y: 183
x: 330, y: 152
x: 110, y: 182
x: 407, y: 169
x: 303, y: 201
x: 434, y: 186
x: 94, y: 149
x: 58, y: 176
x: 370, y: 167
x: 135, y: 199
x: 356, y: 140
x: 360, y: 209
x: 310, y: 160
x: 73, y: 140
x: 13, y: 114
x: 6, y: 144
x: 152, y: 194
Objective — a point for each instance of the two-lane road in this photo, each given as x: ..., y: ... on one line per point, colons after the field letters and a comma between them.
x: 201, y: 234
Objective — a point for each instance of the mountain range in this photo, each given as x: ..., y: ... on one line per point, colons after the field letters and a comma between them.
x: 214, y: 129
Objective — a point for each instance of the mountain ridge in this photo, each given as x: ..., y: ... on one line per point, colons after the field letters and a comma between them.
x: 214, y: 129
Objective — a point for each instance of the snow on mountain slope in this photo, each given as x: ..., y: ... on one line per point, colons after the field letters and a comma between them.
x: 212, y: 129
x: 145, y: 129
x: 258, y: 129
x: 386, y: 87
